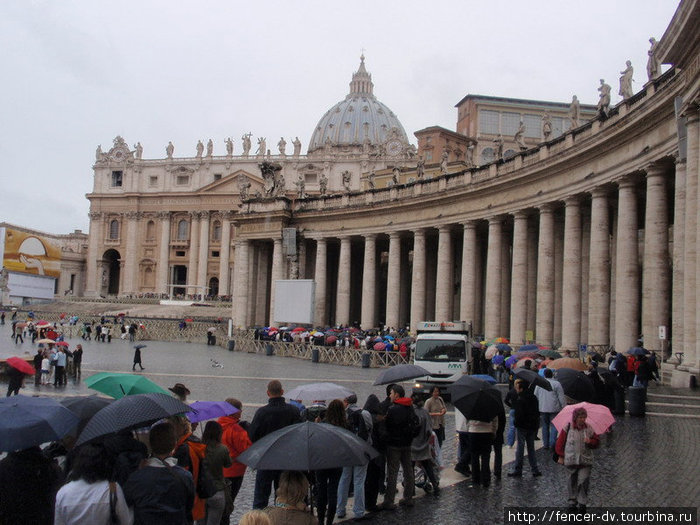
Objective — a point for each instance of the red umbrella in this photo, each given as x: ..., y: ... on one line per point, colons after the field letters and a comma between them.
x: 188, y: 320
x: 379, y: 346
x: 20, y: 364
x: 299, y: 329
x: 62, y: 343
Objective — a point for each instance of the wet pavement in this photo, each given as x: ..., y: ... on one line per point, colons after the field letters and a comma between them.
x: 652, y: 461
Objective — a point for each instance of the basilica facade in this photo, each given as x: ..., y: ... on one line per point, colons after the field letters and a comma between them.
x: 586, y: 237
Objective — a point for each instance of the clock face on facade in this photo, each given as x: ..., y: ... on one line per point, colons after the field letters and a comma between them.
x: 393, y: 147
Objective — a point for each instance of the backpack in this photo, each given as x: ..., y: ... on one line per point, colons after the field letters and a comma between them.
x: 204, y: 483
x: 358, y: 425
x: 414, y: 425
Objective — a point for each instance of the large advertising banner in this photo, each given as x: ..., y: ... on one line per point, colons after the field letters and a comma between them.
x: 24, y: 285
x: 32, y: 254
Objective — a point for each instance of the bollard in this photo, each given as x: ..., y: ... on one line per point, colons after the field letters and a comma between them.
x: 231, y: 345
x: 619, y: 396
x: 269, y: 349
x: 637, y: 396
x: 366, y: 357
x: 315, y: 355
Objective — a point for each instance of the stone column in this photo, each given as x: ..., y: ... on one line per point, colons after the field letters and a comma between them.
x: 418, y: 278
x: 518, y: 290
x: 655, y: 277
x: 690, y: 359
x: 194, y: 253
x: 369, y: 283
x: 571, y: 276
x: 240, y: 287
x: 342, y: 301
x: 678, y: 290
x: 492, y: 319
x: 93, y: 280
x: 393, y: 287
x: 627, y: 269
x: 544, y: 324
x: 163, y: 268
x: 279, y: 272
x: 129, y: 282
x: 225, y: 254
x: 203, y: 259
x: 469, y: 257
x: 599, y: 274
x: 443, y: 292
x: 321, y: 277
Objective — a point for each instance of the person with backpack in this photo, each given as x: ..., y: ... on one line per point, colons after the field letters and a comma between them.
x: 527, y: 422
x: 401, y: 424
x: 217, y: 458
x: 359, y: 423
x: 420, y: 446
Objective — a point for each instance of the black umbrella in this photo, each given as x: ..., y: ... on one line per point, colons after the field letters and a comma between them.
x: 576, y: 384
x: 532, y: 377
x: 139, y: 347
x: 85, y: 407
x: 399, y: 373
x: 308, y: 446
x: 131, y: 412
x: 475, y: 398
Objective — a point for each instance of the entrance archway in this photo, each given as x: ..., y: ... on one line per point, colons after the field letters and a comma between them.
x: 112, y: 259
x: 214, y: 286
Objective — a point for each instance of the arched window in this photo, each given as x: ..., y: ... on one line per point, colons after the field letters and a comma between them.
x: 114, y: 230
x: 216, y: 231
x: 487, y: 155
x: 508, y: 153
x: 150, y: 231
x: 182, y: 230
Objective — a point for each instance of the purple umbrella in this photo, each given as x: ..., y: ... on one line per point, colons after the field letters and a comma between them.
x: 498, y: 359
x: 204, y: 410
x: 511, y: 361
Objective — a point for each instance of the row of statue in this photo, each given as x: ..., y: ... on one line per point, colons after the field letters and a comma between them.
x: 247, y: 145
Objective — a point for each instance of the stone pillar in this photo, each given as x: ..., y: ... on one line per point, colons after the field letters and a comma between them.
x: 533, y: 228
x: 202, y: 265
x: 194, y: 253
x: 321, y: 277
x: 225, y: 254
x: 240, y: 287
x: 342, y: 300
x: 492, y: 319
x: 469, y: 258
x: 544, y: 327
x: 655, y: 277
x: 518, y: 290
x: 393, y: 287
x: 418, y: 278
x: 443, y: 292
x: 163, y: 268
x: 571, y: 276
x: 599, y: 274
x: 627, y: 269
x: 93, y: 279
x: 279, y: 272
x: 369, y: 283
x: 129, y: 283
x: 678, y: 254
x: 690, y: 359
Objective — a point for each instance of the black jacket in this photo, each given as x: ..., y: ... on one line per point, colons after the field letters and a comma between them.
x: 273, y: 416
x: 397, y: 423
x: 527, y: 412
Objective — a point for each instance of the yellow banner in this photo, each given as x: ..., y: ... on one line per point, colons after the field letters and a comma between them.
x: 33, y: 254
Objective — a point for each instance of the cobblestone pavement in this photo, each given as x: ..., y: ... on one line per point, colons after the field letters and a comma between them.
x: 652, y: 461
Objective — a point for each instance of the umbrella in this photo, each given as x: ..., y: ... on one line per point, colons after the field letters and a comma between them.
x: 491, y: 351
x: 521, y: 362
x: 552, y: 354
x: 62, y: 343
x: 139, y: 347
x: 475, y: 398
x: 379, y: 346
x: 529, y: 347
x: 307, y: 446
x: 203, y: 410
x: 318, y: 392
x: 511, y: 361
x: 298, y: 329
x: 131, y: 412
x: 486, y: 378
x: 568, y: 362
x: 46, y: 341
x: 635, y: 350
x: 84, y: 407
x: 20, y: 364
x: 599, y: 417
x: 331, y: 339
x: 501, y: 340
x: 532, y: 377
x: 399, y: 373
x: 20, y: 325
x: 28, y: 421
x: 118, y: 385
x: 498, y: 359
x: 576, y: 384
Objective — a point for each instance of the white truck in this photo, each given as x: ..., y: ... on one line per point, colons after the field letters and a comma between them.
x: 444, y: 349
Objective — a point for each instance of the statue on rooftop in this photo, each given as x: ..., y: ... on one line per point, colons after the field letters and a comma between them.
x: 200, y: 148
x: 370, y: 180
x: 169, y: 149
x: 604, y: 100
x: 282, y: 145
x: 246, y: 144
x: 653, y: 64
x: 297, y: 146
x: 420, y: 167
x: 323, y: 184
x: 574, y: 113
x: 347, y: 176
x: 519, y: 137
x: 139, y: 150
x: 626, y: 90
x: 229, y: 147
x: 262, y: 146
x: 546, y: 126
x: 301, y: 187
x: 443, y: 162
x: 210, y: 148
x: 498, y: 147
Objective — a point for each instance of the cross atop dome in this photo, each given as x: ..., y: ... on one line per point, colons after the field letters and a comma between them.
x: 361, y: 83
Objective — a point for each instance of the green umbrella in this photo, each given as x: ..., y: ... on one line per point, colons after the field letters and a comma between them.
x: 118, y: 385
x: 549, y: 353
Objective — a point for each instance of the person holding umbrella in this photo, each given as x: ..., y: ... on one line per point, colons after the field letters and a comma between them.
x: 137, y: 357
x: 16, y: 380
x: 574, y: 447
x: 328, y: 479
x: 527, y: 421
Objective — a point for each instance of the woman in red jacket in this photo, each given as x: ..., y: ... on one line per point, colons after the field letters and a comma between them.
x: 235, y: 437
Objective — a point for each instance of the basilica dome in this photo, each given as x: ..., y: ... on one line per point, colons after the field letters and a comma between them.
x: 360, y: 122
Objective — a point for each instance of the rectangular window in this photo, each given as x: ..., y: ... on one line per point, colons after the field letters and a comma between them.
x: 559, y: 126
x: 182, y: 180
x: 217, y: 176
x: 117, y: 178
x: 179, y: 253
x: 509, y: 123
x: 215, y: 253
x: 153, y: 180
x: 489, y: 121
x: 428, y: 155
x: 533, y: 126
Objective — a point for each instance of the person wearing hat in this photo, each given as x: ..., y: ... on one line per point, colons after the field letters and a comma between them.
x: 180, y: 391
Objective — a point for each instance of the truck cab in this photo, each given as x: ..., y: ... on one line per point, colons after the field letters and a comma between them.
x: 444, y: 349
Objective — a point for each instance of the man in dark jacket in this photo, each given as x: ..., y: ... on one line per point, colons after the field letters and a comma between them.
x: 527, y: 421
x: 273, y: 416
x: 398, y: 438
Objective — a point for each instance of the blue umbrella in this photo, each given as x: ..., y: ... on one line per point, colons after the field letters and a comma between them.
x: 512, y: 360
x: 28, y: 421
x: 504, y: 347
x: 635, y: 350
x: 528, y: 348
x: 498, y: 359
x: 485, y: 377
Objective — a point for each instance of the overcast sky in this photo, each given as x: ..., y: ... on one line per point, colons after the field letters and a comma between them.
x: 77, y: 73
